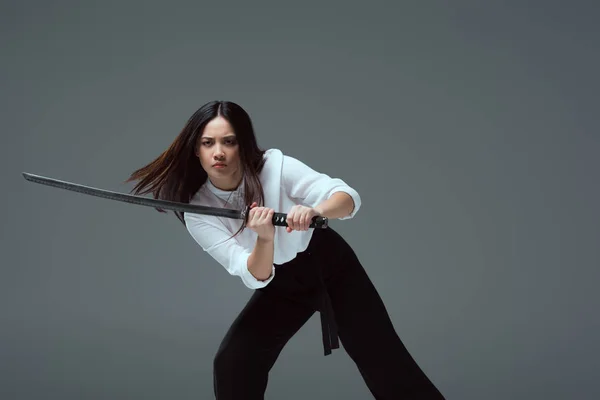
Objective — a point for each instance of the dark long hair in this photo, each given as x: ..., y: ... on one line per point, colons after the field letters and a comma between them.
x: 177, y: 174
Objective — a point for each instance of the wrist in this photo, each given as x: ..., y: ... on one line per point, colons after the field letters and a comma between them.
x: 265, y: 239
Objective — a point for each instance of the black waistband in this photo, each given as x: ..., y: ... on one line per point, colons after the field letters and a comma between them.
x: 328, y: 324
x: 302, y: 279
x: 318, y: 244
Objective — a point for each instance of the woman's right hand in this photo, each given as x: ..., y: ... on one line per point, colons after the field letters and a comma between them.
x: 260, y: 220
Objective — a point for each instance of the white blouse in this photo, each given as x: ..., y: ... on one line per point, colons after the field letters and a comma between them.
x: 286, y: 182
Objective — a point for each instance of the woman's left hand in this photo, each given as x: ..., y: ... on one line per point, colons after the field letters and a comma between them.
x: 300, y: 217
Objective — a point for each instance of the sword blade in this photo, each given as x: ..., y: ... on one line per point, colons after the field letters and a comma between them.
x: 134, y: 199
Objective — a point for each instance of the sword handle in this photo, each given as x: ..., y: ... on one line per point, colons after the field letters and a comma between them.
x: 279, y: 219
x: 317, y: 222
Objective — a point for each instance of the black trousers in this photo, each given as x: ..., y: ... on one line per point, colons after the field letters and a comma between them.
x: 326, y: 277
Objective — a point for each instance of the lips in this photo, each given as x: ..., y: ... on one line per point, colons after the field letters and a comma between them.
x: 219, y: 165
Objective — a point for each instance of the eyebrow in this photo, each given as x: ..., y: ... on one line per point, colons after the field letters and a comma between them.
x: 224, y: 137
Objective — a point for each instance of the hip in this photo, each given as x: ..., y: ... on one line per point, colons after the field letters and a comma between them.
x: 326, y: 255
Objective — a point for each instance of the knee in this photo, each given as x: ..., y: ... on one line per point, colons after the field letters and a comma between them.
x: 225, y: 361
x: 234, y: 357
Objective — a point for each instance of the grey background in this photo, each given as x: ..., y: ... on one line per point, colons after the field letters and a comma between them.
x: 470, y: 131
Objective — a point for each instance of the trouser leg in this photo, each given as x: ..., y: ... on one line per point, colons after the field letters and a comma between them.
x: 253, y: 343
x: 368, y: 336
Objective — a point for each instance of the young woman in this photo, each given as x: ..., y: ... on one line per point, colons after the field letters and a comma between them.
x: 295, y: 270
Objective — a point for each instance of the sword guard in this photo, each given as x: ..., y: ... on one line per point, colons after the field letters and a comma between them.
x: 245, y: 214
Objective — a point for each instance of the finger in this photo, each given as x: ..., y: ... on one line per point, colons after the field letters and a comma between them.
x: 300, y: 224
x: 264, y: 216
x: 251, y: 218
x: 309, y: 220
x: 305, y: 221
x: 297, y: 224
x: 290, y: 219
x: 267, y: 214
x: 297, y: 214
x: 261, y: 215
x: 255, y: 213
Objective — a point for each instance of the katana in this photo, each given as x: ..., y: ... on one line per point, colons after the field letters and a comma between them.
x: 279, y: 219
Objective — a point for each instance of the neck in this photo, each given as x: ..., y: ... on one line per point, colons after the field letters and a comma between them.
x: 230, y: 184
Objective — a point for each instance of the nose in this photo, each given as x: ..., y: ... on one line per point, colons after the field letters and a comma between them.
x: 219, y: 154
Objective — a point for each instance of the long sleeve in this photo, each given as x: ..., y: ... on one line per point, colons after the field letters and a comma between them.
x: 311, y: 187
x: 216, y: 241
x: 286, y: 181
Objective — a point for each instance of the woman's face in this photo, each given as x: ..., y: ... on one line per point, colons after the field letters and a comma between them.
x: 218, y: 152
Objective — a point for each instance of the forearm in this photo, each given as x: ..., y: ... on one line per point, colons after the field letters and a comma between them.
x: 260, y: 262
x: 339, y: 205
